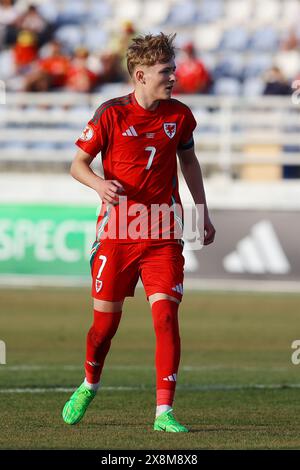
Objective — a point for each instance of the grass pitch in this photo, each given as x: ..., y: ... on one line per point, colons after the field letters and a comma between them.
x: 237, y: 387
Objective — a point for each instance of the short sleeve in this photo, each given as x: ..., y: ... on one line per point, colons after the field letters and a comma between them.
x: 189, y: 124
x: 95, y: 135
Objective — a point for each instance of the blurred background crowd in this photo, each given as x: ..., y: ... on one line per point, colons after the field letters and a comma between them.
x: 229, y: 47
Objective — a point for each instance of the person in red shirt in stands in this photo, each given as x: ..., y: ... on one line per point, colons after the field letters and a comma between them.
x: 51, y: 71
x: 25, y: 50
x: 191, y: 74
x: 79, y: 76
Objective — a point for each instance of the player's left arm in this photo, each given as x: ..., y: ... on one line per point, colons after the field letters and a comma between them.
x: 192, y: 174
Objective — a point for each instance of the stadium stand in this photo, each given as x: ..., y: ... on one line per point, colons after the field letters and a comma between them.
x: 250, y: 29
x: 239, y: 45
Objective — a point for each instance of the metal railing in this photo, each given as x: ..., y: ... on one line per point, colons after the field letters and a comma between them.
x: 231, y: 132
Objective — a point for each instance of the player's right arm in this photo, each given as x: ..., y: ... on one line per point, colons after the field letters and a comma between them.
x: 107, y: 190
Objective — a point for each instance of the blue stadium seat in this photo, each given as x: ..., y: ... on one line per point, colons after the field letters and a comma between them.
x: 227, y: 87
x: 42, y: 145
x: 253, y: 86
x: 230, y: 66
x: 69, y: 35
x: 75, y: 12
x: 291, y: 171
x: 49, y: 11
x: 265, y: 39
x: 183, y: 13
x: 235, y: 39
x: 94, y: 38
x: 257, y: 64
x: 99, y: 11
x: 210, y: 11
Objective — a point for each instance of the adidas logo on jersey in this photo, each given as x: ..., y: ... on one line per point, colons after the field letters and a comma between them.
x: 170, y: 378
x: 131, y: 132
x: 178, y: 288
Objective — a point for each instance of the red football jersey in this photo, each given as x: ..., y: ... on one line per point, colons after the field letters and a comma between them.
x: 138, y: 148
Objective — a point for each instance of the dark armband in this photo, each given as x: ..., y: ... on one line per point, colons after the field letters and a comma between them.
x: 188, y: 145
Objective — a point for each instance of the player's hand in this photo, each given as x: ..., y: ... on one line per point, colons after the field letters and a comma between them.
x: 209, y: 231
x: 110, y: 190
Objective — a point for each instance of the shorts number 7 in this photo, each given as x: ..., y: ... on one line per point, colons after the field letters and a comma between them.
x: 152, y: 151
x: 103, y: 259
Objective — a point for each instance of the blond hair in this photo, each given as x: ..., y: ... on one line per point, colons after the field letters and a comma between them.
x: 150, y: 50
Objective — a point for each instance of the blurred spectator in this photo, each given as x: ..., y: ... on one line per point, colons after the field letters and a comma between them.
x: 119, y: 45
x: 8, y: 18
x: 290, y: 41
x: 50, y: 72
x: 31, y: 20
x: 79, y: 76
x: 25, y: 50
x: 276, y: 83
x: 191, y: 74
x: 121, y: 42
x: 111, y: 68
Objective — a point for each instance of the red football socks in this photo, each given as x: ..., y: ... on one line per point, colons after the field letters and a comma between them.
x: 165, y: 320
x: 98, y: 343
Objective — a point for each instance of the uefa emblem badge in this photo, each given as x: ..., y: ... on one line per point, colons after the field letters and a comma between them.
x: 87, y: 134
x: 170, y: 129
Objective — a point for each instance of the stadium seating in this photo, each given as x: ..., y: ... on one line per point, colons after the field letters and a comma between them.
x: 238, y: 41
x: 227, y: 86
x: 183, y: 13
x: 250, y: 29
x: 235, y: 39
x: 210, y: 11
x: 264, y: 40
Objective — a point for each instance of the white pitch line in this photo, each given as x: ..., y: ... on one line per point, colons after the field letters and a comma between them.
x: 194, y: 283
x: 187, y: 368
x: 200, y: 388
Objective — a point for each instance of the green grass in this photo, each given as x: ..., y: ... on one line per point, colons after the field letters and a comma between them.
x: 230, y: 344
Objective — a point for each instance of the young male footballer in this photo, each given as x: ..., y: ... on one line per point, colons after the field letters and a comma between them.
x: 139, y: 136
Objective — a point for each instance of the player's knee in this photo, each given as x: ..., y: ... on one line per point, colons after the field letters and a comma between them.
x: 98, y: 337
x: 163, y: 323
x: 165, y: 317
x: 104, y: 327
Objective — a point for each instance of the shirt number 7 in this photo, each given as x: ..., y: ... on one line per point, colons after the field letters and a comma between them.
x: 152, y: 151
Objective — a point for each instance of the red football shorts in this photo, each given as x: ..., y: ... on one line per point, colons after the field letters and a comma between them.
x: 117, y: 267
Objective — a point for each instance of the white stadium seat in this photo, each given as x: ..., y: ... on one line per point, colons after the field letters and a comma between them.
x: 237, y: 11
x: 290, y: 12
x: 155, y: 12
x: 207, y: 37
x: 128, y: 10
x: 267, y: 11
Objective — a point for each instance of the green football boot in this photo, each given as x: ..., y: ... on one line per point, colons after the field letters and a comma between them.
x: 166, y: 422
x: 75, y: 408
